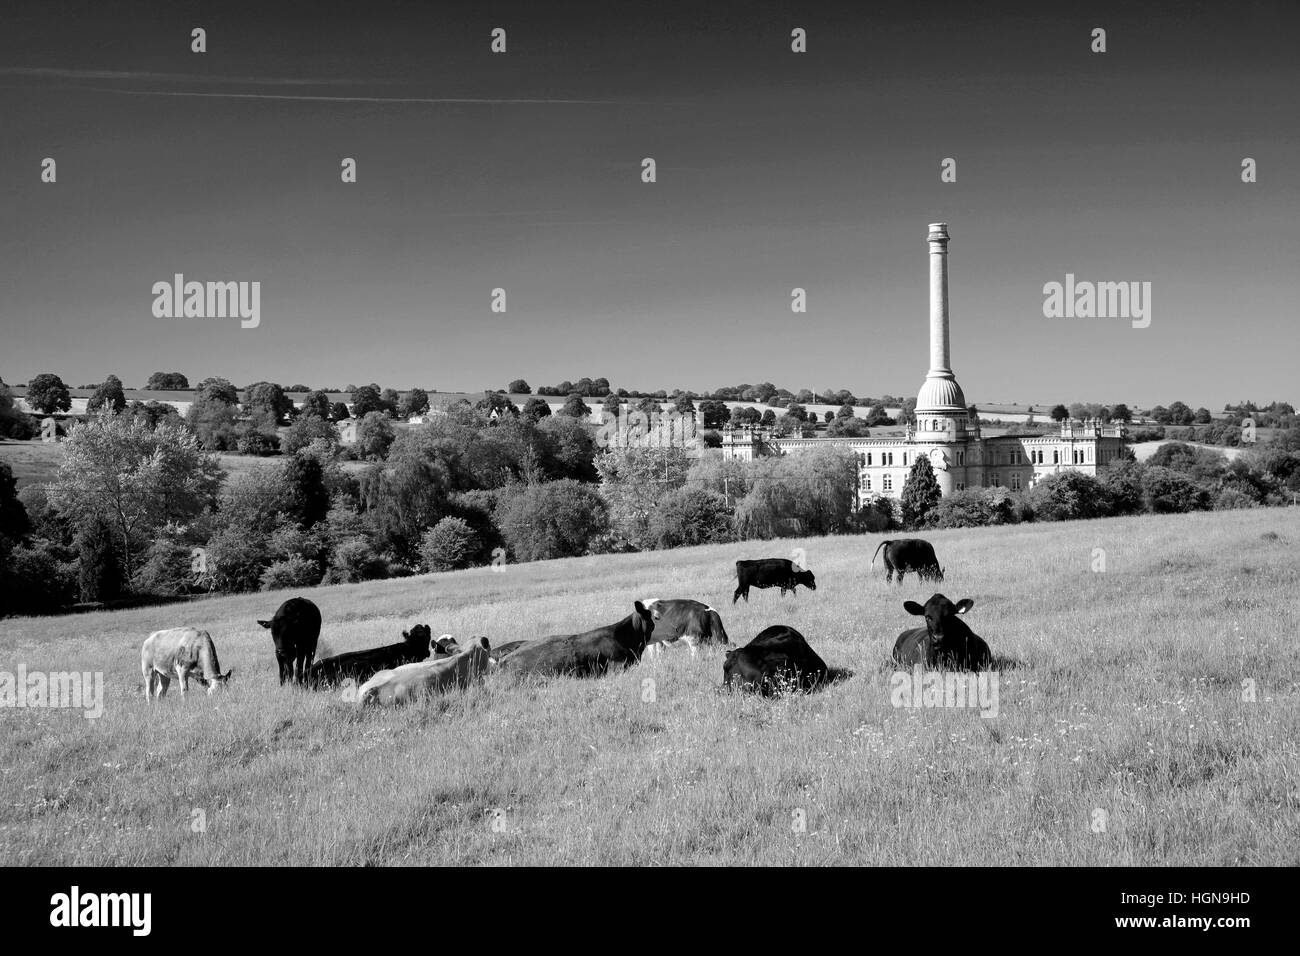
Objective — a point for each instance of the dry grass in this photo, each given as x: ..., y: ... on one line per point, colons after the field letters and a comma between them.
x: 1128, y: 700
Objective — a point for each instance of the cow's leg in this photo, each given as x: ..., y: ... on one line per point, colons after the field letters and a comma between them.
x: 184, y: 678
x: 286, y: 667
x: 148, y: 685
x: 691, y: 641
x: 736, y: 597
x: 161, y: 685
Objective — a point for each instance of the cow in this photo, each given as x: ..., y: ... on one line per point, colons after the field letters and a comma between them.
x: 680, y: 621
x: 945, y: 643
x: 295, y: 628
x: 180, y: 652
x: 413, y: 682
x: 770, y: 573
x: 502, y: 650
x: 362, y: 665
x: 778, y: 658
x: 588, y: 654
x: 909, y: 554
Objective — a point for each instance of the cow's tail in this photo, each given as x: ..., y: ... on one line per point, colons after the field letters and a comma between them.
x: 715, y: 627
x: 878, y: 547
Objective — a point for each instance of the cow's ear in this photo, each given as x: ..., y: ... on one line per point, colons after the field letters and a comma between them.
x: 265, y: 623
x: 911, y: 607
x: 640, y: 609
x: 406, y: 635
x: 964, y: 605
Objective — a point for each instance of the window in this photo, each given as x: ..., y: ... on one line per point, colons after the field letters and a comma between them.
x: 888, y: 483
x: 1056, y: 456
x: 961, y: 486
x: 1015, y: 481
x: 866, y: 482
x: 961, y: 458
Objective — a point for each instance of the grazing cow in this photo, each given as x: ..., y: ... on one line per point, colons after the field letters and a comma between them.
x: 770, y: 573
x: 590, y: 653
x: 413, y: 682
x: 295, y: 629
x: 778, y: 656
x: 362, y: 665
x: 945, y: 643
x: 909, y: 554
x: 180, y: 652
x: 679, y: 621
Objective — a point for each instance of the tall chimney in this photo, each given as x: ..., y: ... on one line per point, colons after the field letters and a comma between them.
x: 939, y: 361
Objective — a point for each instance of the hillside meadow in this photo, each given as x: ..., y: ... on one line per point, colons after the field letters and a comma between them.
x: 1122, y: 735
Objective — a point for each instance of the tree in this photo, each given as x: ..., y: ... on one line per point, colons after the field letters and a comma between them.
x: 449, y: 545
x: 1202, y: 416
x: 689, y: 516
x: 391, y: 400
x: 921, y: 494
x: 497, y: 402
x: 535, y: 409
x: 851, y: 427
x: 366, y: 399
x: 339, y: 412
x: 374, y: 436
x: 808, y: 493
x: 1067, y: 496
x: 1059, y: 413
x: 167, y: 382
x: 414, y: 402
x: 558, y: 519
x: 1120, y: 413
x: 110, y: 394
x: 519, y: 387
x: 633, y: 480
x: 1180, y: 414
x: 217, y: 389
x: 270, y: 398
x: 116, y: 469
x: 98, y: 572
x: 684, y: 404
x: 47, y: 394
x: 575, y: 407
x: 305, y: 430
x: 746, y: 415
x: 13, y: 423
x: 768, y: 418
x: 316, y: 404
x: 213, y: 415
x: 308, y: 499
x: 14, y: 523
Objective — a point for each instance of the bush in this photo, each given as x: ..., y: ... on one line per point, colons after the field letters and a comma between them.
x: 1231, y: 498
x: 355, y: 560
x: 973, y: 508
x: 236, y: 557
x: 374, y: 436
x: 690, y: 516
x: 258, y: 443
x: 305, y: 430
x: 554, y: 520
x: 34, y: 581
x: 1169, y: 492
x: 168, y: 569
x: 449, y: 545
x: 293, y: 572
x: 1067, y: 496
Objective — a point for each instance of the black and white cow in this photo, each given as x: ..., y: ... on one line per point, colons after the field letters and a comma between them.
x: 679, y: 621
x: 588, y: 654
x: 294, y: 628
x: 909, y: 554
x: 778, y: 658
x: 770, y: 573
x: 945, y: 643
x: 360, y: 666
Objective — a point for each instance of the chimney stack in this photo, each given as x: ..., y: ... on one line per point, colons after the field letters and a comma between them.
x: 939, y: 360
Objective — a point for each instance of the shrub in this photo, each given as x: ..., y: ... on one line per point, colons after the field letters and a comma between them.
x: 973, y: 508
x: 258, y: 443
x: 1169, y: 492
x: 293, y: 572
x: 449, y: 545
x: 305, y: 430
x: 1231, y: 498
x: 1067, y: 496
x: 355, y: 560
x: 168, y: 569
x: 236, y: 557
x: 554, y: 520
x: 33, y: 580
x: 690, y: 516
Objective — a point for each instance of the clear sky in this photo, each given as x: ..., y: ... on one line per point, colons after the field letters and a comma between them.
x: 775, y: 170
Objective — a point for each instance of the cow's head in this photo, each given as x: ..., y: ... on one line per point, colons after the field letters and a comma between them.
x: 643, y: 621
x: 418, y: 636
x: 941, y: 614
x: 729, y: 666
x: 806, y: 579
x: 445, y: 646
x: 219, y: 682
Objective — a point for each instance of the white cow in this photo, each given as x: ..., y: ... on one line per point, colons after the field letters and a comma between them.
x: 180, y: 652
x: 412, y: 682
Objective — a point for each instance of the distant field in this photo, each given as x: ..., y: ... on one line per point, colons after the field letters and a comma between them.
x: 1122, y: 739
x: 35, y: 462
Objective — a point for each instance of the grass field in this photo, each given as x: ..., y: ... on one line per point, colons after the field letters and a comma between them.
x: 1126, y: 710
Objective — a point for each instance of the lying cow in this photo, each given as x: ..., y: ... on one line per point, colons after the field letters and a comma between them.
x: 590, y: 653
x: 945, y: 643
x: 778, y: 658
x: 770, y: 573
x: 295, y: 628
x: 502, y: 650
x: 414, y: 682
x: 360, y: 666
x: 909, y: 554
x: 180, y: 652
x: 682, y: 622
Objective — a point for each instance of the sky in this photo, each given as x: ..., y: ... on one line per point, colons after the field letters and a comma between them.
x: 775, y: 170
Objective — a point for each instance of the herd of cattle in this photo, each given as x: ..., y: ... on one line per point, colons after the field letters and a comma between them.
x: 779, y: 658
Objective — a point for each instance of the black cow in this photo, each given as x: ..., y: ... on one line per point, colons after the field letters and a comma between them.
x: 295, y: 629
x: 778, y: 658
x: 362, y: 665
x: 945, y: 643
x: 909, y: 554
x: 588, y: 654
x: 508, y: 648
x: 770, y: 573
x: 680, y: 621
